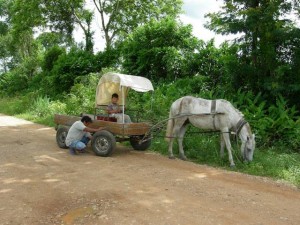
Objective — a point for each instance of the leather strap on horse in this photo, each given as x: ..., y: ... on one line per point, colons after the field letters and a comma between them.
x: 213, y: 111
x: 180, y: 107
x: 240, y: 125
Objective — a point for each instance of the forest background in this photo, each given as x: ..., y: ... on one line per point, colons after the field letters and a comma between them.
x: 44, y: 71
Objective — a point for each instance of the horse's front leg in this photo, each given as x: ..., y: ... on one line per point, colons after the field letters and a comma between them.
x: 222, y: 145
x: 225, y: 133
x: 180, y: 141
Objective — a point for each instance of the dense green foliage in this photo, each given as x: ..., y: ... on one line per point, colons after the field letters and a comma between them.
x: 268, y: 46
x: 259, y: 72
x: 126, y: 15
x: 148, y: 53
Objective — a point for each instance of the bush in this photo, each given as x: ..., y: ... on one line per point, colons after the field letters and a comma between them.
x: 147, y: 52
x: 12, y: 83
x: 156, y: 106
x: 51, y: 57
x: 43, y: 107
x: 82, y: 95
x: 68, y: 67
x: 273, y: 124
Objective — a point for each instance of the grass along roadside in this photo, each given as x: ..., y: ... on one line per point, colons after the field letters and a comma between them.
x: 276, y: 162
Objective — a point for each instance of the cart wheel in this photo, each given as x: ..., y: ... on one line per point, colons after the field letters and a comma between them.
x: 135, y: 143
x: 103, y: 143
x: 61, y: 135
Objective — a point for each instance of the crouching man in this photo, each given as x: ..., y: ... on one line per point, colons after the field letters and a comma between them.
x: 79, y: 135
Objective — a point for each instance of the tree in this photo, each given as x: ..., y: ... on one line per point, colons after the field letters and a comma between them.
x: 159, y: 50
x: 63, y: 15
x: 21, y: 18
x: 4, y: 53
x: 5, y: 38
x: 121, y: 17
x: 209, y: 61
x: 50, y: 39
x: 25, y: 16
x: 267, y: 45
x: 68, y: 67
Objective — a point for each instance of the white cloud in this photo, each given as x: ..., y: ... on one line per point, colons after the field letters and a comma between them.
x: 99, y: 41
x: 195, y: 11
x: 198, y: 8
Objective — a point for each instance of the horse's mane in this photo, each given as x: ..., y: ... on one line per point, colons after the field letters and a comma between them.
x: 235, y: 109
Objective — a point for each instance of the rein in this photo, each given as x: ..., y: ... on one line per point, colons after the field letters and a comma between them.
x: 239, y: 126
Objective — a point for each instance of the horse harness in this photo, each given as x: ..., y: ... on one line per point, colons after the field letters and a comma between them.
x: 213, y: 111
x: 238, y: 126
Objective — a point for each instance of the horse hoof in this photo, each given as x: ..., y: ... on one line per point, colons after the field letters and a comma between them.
x: 232, y: 166
x: 171, y: 157
x: 183, y: 158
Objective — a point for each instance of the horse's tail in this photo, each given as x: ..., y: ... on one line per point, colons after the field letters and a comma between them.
x: 169, y: 127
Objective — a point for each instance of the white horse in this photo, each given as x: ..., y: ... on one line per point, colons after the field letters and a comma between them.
x: 217, y: 115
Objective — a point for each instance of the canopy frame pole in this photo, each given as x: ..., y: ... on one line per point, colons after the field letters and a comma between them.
x: 123, y: 103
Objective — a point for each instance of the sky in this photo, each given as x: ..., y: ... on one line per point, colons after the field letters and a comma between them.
x: 195, y: 11
x: 194, y: 15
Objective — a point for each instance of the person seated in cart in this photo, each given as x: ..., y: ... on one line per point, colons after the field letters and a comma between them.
x: 115, y: 110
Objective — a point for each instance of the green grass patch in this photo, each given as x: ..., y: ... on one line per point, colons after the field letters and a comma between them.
x: 47, y: 120
x: 276, y: 163
x: 11, y: 106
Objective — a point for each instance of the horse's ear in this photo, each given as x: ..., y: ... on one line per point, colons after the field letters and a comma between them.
x: 253, y: 136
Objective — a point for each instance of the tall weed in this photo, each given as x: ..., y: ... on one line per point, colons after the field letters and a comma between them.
x: 272, y: 123
x: 43, y: 107
x: 81, y: 99
x: 155, y: 106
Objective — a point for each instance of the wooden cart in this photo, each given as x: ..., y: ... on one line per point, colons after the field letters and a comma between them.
x: 104, y: 141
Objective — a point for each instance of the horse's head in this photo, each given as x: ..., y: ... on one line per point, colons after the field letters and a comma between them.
x: 248, y: 147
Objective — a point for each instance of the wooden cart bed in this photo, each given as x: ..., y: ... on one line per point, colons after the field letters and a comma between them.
x: 123, y: 129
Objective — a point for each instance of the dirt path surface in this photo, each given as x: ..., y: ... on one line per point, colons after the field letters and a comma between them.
x: 42, y: 184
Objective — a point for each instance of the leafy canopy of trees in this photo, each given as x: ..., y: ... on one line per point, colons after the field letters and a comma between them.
x: 121, y: 17
x: 147, y: 52
x: 268, y: 46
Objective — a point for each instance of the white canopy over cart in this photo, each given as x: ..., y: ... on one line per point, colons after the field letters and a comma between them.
x: 118, y: 83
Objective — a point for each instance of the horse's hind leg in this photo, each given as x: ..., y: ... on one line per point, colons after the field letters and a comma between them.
x: 180, y: 140
x: 173, y: 134
x: 171, y: 156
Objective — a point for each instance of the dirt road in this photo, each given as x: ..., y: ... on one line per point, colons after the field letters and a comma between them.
x: 42, y: 184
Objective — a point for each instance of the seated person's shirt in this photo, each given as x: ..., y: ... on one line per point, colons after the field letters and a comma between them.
x: 113, y: 106
x: 119, y: 116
